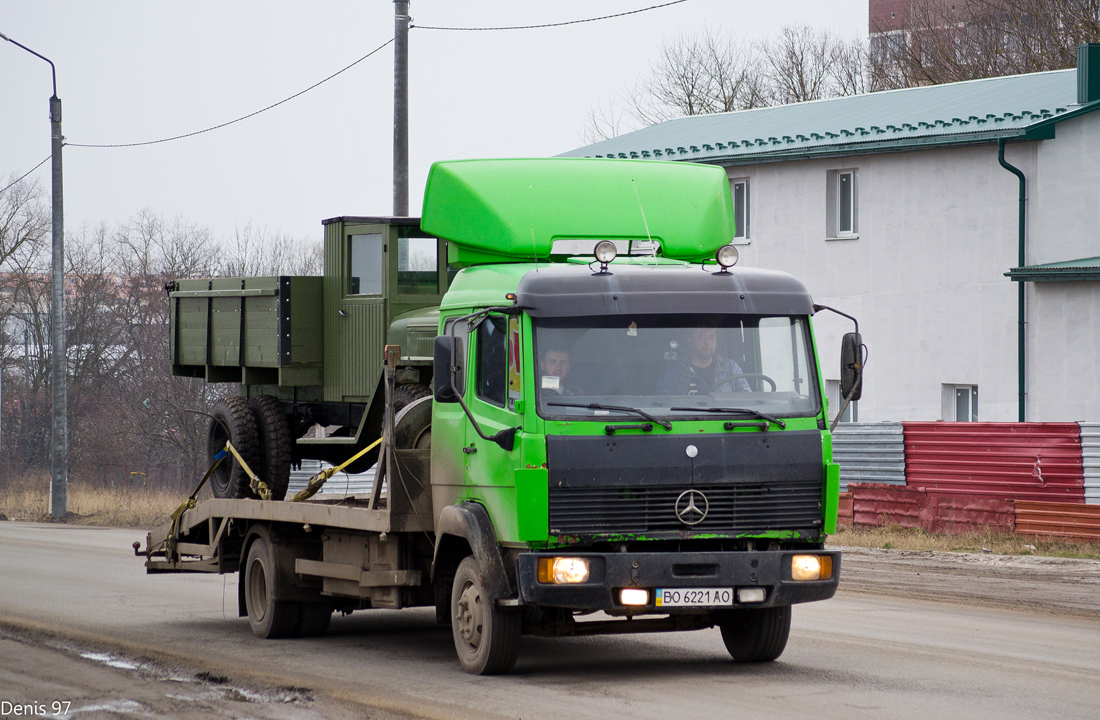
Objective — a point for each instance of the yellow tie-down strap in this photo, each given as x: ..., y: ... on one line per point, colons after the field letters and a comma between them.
x: 319, y: 479
x: 258, y: 486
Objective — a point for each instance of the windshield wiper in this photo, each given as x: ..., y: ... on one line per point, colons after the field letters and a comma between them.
x: 599, y: 406
x: 750, y: 411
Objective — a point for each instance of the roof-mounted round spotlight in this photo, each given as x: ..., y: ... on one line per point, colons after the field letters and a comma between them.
x: 726, y: 257
x: 605, y: 253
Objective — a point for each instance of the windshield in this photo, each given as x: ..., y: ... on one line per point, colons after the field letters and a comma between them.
x: 655, y: 363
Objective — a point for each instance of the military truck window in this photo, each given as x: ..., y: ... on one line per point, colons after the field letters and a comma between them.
x: 659, y: 362
x: 417, y: 266
x: 365, y: 266
x: 492, y: 360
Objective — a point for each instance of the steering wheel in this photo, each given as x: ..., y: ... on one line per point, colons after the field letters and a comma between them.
x: 760, y: 376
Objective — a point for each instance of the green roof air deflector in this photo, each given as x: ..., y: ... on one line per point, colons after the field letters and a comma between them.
x: 513, y: 210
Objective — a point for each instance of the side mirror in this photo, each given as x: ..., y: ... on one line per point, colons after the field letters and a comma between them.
x: 448, y: 350
x: 851, y: 366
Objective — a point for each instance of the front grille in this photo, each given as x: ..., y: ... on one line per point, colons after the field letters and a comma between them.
x: 733, y: 508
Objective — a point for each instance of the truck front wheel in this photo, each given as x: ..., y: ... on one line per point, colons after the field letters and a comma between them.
x: 756, y: 635
x: 486, y: 637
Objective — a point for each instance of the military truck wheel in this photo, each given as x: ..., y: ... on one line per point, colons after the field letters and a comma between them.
x: 232, y: 419
x: 486, y: 637
x: 757, y: 635
x: 268, y: 617
x: 406, y: 394
x: 412, y: 428
x: 274, y: 444
x: 313, y: 619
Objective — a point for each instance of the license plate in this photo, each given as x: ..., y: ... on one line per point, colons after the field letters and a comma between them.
x: 694, y: 597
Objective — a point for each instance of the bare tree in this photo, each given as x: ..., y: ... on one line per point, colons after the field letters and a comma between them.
x: 709, y: 72
x: 255, y: 252
x: 943, y: 41
x: 714, y: 72
x: 799, y: 64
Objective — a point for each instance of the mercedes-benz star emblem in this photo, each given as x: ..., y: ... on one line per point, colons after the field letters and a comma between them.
x: 692, y: 507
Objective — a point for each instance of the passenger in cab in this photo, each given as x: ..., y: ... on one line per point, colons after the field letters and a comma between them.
x: 705, y: 372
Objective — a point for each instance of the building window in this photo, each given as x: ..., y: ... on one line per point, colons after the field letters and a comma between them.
x: 842, y: 204
x: 960, y: 403
x: 740, y: 190
x: 850, y: 414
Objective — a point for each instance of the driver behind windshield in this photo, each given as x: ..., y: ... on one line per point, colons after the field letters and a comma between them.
x: 705, y: 372
x: 553, y: 367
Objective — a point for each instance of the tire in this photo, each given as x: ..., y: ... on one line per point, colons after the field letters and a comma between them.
x: 405, y: 394
x: 313, y: 619
x: 269, y: 618
x: 486, y: 637
x: 412, y: 428
x: 232, y: 419
x: 757, y: 635
x: 273, y: 432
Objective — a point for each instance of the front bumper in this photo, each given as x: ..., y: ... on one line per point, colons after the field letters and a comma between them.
x: 611, y: 572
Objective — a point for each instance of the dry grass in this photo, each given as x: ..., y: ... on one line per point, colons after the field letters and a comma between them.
x: 1002, y: 543
x: 28, y: 499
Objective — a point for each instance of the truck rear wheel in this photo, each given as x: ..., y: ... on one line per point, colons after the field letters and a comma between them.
x: 756, y: 635
x: 269, y: 618
x: 486, y: 637
x: 313, y: 619
x: 273, y: 434
x: 232, y: 419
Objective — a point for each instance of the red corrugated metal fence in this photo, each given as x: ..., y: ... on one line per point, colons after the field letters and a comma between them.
x: 844, y: 510
x: 1062, y: 520
x: 875, y: 504
x: 1020, y: 461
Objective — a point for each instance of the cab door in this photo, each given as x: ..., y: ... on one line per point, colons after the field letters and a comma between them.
x: 493, y: 398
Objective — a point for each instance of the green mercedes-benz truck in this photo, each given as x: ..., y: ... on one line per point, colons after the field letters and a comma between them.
x: 585, y: 418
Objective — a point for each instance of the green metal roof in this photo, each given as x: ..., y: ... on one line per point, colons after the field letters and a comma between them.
x: 512, y: 210
x: 1023, y: 107
x: 1069, y: 270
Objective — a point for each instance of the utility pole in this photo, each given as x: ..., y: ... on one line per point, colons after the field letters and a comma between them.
x: 401, y: 107
x: 59, y: 447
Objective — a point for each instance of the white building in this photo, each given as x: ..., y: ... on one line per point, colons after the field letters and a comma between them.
x: 894, y: 207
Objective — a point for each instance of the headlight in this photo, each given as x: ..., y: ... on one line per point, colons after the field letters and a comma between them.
x: 634, y: 596
x: 606, y: 251
x: 726, y: 256
x: 563, y: 570
x: 811, y: 567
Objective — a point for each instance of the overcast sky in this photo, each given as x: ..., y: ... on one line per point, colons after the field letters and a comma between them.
x: 131, y: 71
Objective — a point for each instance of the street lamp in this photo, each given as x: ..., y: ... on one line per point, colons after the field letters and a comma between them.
x: 59, y: 450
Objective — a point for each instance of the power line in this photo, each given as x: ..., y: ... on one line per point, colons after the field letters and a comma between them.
x: 245, y: 117
x: 550, y: 25
x: 27, y: 173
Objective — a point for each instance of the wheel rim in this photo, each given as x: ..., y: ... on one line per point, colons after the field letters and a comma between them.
x: 257, y: 590
x: 470, y: 617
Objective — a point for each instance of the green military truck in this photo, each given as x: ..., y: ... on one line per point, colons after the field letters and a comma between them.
x: 584, y: 407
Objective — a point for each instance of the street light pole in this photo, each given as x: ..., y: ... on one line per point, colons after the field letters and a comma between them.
x: 59, y: 447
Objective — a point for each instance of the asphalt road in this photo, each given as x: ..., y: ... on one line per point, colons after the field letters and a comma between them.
x: 172, y: 646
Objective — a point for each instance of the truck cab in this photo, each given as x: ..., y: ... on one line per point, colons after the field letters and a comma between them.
x: 645, y: 434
